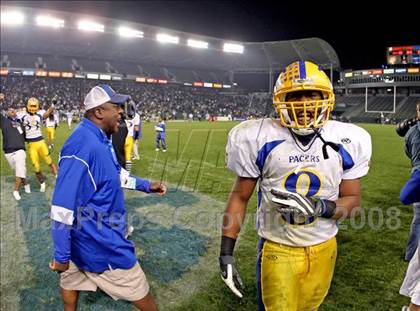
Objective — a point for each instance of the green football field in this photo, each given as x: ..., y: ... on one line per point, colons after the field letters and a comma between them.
x: 177, y: 237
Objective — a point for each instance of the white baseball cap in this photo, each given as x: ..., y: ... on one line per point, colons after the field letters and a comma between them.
x: 102, y: 94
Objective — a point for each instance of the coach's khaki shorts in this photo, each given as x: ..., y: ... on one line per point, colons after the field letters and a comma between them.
x: 17, y: 161
x: 129, y: 284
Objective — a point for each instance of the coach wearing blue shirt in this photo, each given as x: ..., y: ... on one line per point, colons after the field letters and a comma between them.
x: 410, y: 193
x: 88, y: 212
x: 412, y: 149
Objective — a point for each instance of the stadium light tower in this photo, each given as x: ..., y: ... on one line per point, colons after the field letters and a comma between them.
x: 198, y: 44
x: 12, y: 18
x: 90, y: 26
x: 130, y: 33
x: 48, y: 21
x: 165, y: 38
x: 233, y: 48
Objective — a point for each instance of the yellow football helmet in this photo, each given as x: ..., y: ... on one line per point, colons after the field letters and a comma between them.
x: 303, y: 76
x: 33, y: 105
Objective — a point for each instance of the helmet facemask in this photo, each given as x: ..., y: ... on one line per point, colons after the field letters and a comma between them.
x: 302, y: 116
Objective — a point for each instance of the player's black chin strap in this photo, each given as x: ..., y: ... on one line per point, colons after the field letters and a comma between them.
x: 334, y: 146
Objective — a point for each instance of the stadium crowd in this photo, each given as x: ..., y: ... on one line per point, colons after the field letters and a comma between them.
x: 169, y: 101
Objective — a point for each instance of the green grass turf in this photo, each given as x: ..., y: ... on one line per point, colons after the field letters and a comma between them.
x: 369, y: 268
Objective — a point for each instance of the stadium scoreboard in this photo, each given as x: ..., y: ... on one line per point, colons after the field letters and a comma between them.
x: 403, y: 55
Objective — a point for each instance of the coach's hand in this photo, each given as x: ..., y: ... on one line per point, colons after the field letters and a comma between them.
x: 158, y: 188
x: 301, y: 207
x: 230, y: 275
x: 58, y: 267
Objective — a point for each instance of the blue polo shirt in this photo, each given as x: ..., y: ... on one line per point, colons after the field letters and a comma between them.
x: 88, y: 212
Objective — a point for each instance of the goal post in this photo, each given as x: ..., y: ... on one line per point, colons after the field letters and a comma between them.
x: 394, y: 105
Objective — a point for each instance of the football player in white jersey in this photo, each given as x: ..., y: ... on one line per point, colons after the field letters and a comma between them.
x: 50, y: 126
x: 138, y: 132
x: 69, y: 115
x: 307, y: 173
x: 32, y: 120
x: 132, y: 120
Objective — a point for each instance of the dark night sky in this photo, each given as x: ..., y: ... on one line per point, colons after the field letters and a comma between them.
x: 359, y: 34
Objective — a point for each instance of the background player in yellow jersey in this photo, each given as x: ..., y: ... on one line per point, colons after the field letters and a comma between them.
x: 32, y: 120
x: 307, y: 171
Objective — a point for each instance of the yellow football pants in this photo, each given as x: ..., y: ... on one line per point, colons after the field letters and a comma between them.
x: 294, y: 278
x: 37, y: 149
x: 50, y: 133
x: 128, y: 147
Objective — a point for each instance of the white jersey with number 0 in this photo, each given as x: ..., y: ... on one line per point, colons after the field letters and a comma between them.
x: 265, y: 150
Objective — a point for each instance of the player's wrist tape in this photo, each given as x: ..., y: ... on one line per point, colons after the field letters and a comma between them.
x: 227, y: 246
x: 328, y: 208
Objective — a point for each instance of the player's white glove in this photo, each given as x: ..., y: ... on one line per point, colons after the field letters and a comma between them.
x: 300, y: 207
x: 230, y: 275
